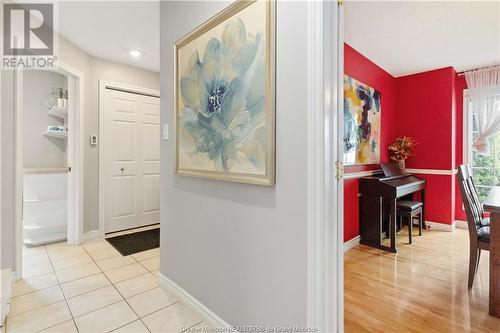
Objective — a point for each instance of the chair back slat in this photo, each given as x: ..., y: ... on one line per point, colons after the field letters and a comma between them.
x: 475, y: 195
x: 472, y: 210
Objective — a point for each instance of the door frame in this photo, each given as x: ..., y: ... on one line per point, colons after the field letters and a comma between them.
x: 75, y: 150
x: 325, y: 243
x: 103, y: 85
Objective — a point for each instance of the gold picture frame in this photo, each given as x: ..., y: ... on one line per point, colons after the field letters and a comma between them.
x: 213, y: 147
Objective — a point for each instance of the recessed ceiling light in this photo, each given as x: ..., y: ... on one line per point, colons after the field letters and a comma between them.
x: 135, y: 53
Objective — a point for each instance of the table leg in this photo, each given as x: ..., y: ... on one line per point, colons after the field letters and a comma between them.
x: 422, y: 198
x: 495, y: 265
x: 392, y: 226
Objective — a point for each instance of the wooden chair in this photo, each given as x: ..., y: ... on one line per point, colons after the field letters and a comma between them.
x: 479, y: 227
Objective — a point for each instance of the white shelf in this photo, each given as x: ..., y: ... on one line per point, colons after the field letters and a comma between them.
x: 59, y: 135
x: 59, y: 112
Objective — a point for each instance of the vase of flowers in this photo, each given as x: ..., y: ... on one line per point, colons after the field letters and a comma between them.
x: 401, y: 149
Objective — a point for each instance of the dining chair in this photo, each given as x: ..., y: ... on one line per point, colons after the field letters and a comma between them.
x: 479, y: 229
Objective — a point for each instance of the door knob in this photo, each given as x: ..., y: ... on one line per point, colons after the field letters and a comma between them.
x: 122, y: 169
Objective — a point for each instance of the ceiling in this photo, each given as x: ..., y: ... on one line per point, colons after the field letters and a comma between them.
x: 405, y: 37
x: 111, y: 29
x: 402, y: 37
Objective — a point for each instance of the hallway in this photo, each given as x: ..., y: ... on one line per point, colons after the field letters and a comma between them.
x: 93, y: 288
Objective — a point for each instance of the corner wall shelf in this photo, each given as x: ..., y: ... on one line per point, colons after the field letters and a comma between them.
x: 59, y: 112
x: 59, y: 135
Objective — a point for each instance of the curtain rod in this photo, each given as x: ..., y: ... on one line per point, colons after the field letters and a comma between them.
x: 475, y: 69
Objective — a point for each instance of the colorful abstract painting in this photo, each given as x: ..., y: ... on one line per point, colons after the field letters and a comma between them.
x: 225, y: 96
x: 362, y: 115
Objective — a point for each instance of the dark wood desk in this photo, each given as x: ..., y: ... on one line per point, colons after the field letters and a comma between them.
x: 492, y: 205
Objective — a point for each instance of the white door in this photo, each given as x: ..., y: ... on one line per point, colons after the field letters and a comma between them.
x: 131, y: 170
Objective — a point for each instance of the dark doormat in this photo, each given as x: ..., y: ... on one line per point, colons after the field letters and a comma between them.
x: 136, y: 242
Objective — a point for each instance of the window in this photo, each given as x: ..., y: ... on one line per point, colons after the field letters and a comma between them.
x: 486, y: 169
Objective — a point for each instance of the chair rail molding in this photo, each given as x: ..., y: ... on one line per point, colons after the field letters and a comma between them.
x: 359, y: 174
x: 433, y: 171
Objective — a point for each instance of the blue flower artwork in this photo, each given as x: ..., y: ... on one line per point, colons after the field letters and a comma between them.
x: 224, y: 110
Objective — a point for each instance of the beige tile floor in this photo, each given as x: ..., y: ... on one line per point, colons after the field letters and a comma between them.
x: 93, y: 288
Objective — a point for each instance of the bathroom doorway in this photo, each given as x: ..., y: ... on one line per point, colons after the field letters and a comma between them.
x: 45, y: 157
x: 49, y: 168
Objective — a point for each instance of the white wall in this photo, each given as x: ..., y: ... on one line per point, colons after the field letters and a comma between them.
x: 40, y: 151
x: 241, y: 249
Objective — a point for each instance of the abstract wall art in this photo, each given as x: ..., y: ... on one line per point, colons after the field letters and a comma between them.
x: 225, y: 96
x: 362, y: 115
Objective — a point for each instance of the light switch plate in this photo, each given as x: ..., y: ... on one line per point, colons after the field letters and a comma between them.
x: 165, y: 132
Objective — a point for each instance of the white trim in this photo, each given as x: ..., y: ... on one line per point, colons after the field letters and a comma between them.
x: 208, y: 316
x: 433, y: 172
x: 351, y: 243
x: 129, y: 88
x: 1, y: 162
x: 13, y: 276
x: 76, y: 143
x: 359, y: 174
x: 18, y: 171
x: 92, y: 235
x: 75, y: 206
x: 459, y: 224
x: 440, y: 226
x: 103, y: 85
x: 325, y: 290
x: 467, y: 130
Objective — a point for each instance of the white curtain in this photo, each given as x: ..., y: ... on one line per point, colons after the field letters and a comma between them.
x: 484, y: 90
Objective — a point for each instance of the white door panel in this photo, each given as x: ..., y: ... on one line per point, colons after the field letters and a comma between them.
x: 124, y: 196
x: 131, y: 143
x: 151, y: 107
x: 151, y: 142
x: 150, y: 161
x: 150, y: 191
x: 124, y: 141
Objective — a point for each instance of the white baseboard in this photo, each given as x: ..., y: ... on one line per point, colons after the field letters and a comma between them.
x: 5, y: 293
x: 351, y: 243
x: 13, y: 276
x: 459, y: 224
x: 440, y: 226
x: 196, y: 306
x: 92, y: 235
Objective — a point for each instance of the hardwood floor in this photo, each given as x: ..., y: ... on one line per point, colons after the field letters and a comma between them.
x: 421, y: 289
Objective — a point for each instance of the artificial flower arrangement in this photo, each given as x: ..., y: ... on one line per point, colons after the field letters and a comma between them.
x: 401, y: 149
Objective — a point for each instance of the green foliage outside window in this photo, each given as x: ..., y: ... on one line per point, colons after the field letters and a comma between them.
x: 487, y: 168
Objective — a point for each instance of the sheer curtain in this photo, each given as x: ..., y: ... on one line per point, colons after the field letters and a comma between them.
x: 484, y: 91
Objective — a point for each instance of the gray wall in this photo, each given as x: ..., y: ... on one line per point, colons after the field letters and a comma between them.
x: 7, y: 114
x: 40, y: 151
x: 114, y: 72
x: 95, y: 69
x: 241, y: 249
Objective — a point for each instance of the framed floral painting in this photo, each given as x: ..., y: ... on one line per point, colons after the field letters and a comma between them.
x: 225, y: 96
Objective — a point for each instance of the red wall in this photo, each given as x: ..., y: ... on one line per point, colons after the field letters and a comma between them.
x: 427, y: 106
x: 362, y: 69
x: 426, y: 111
